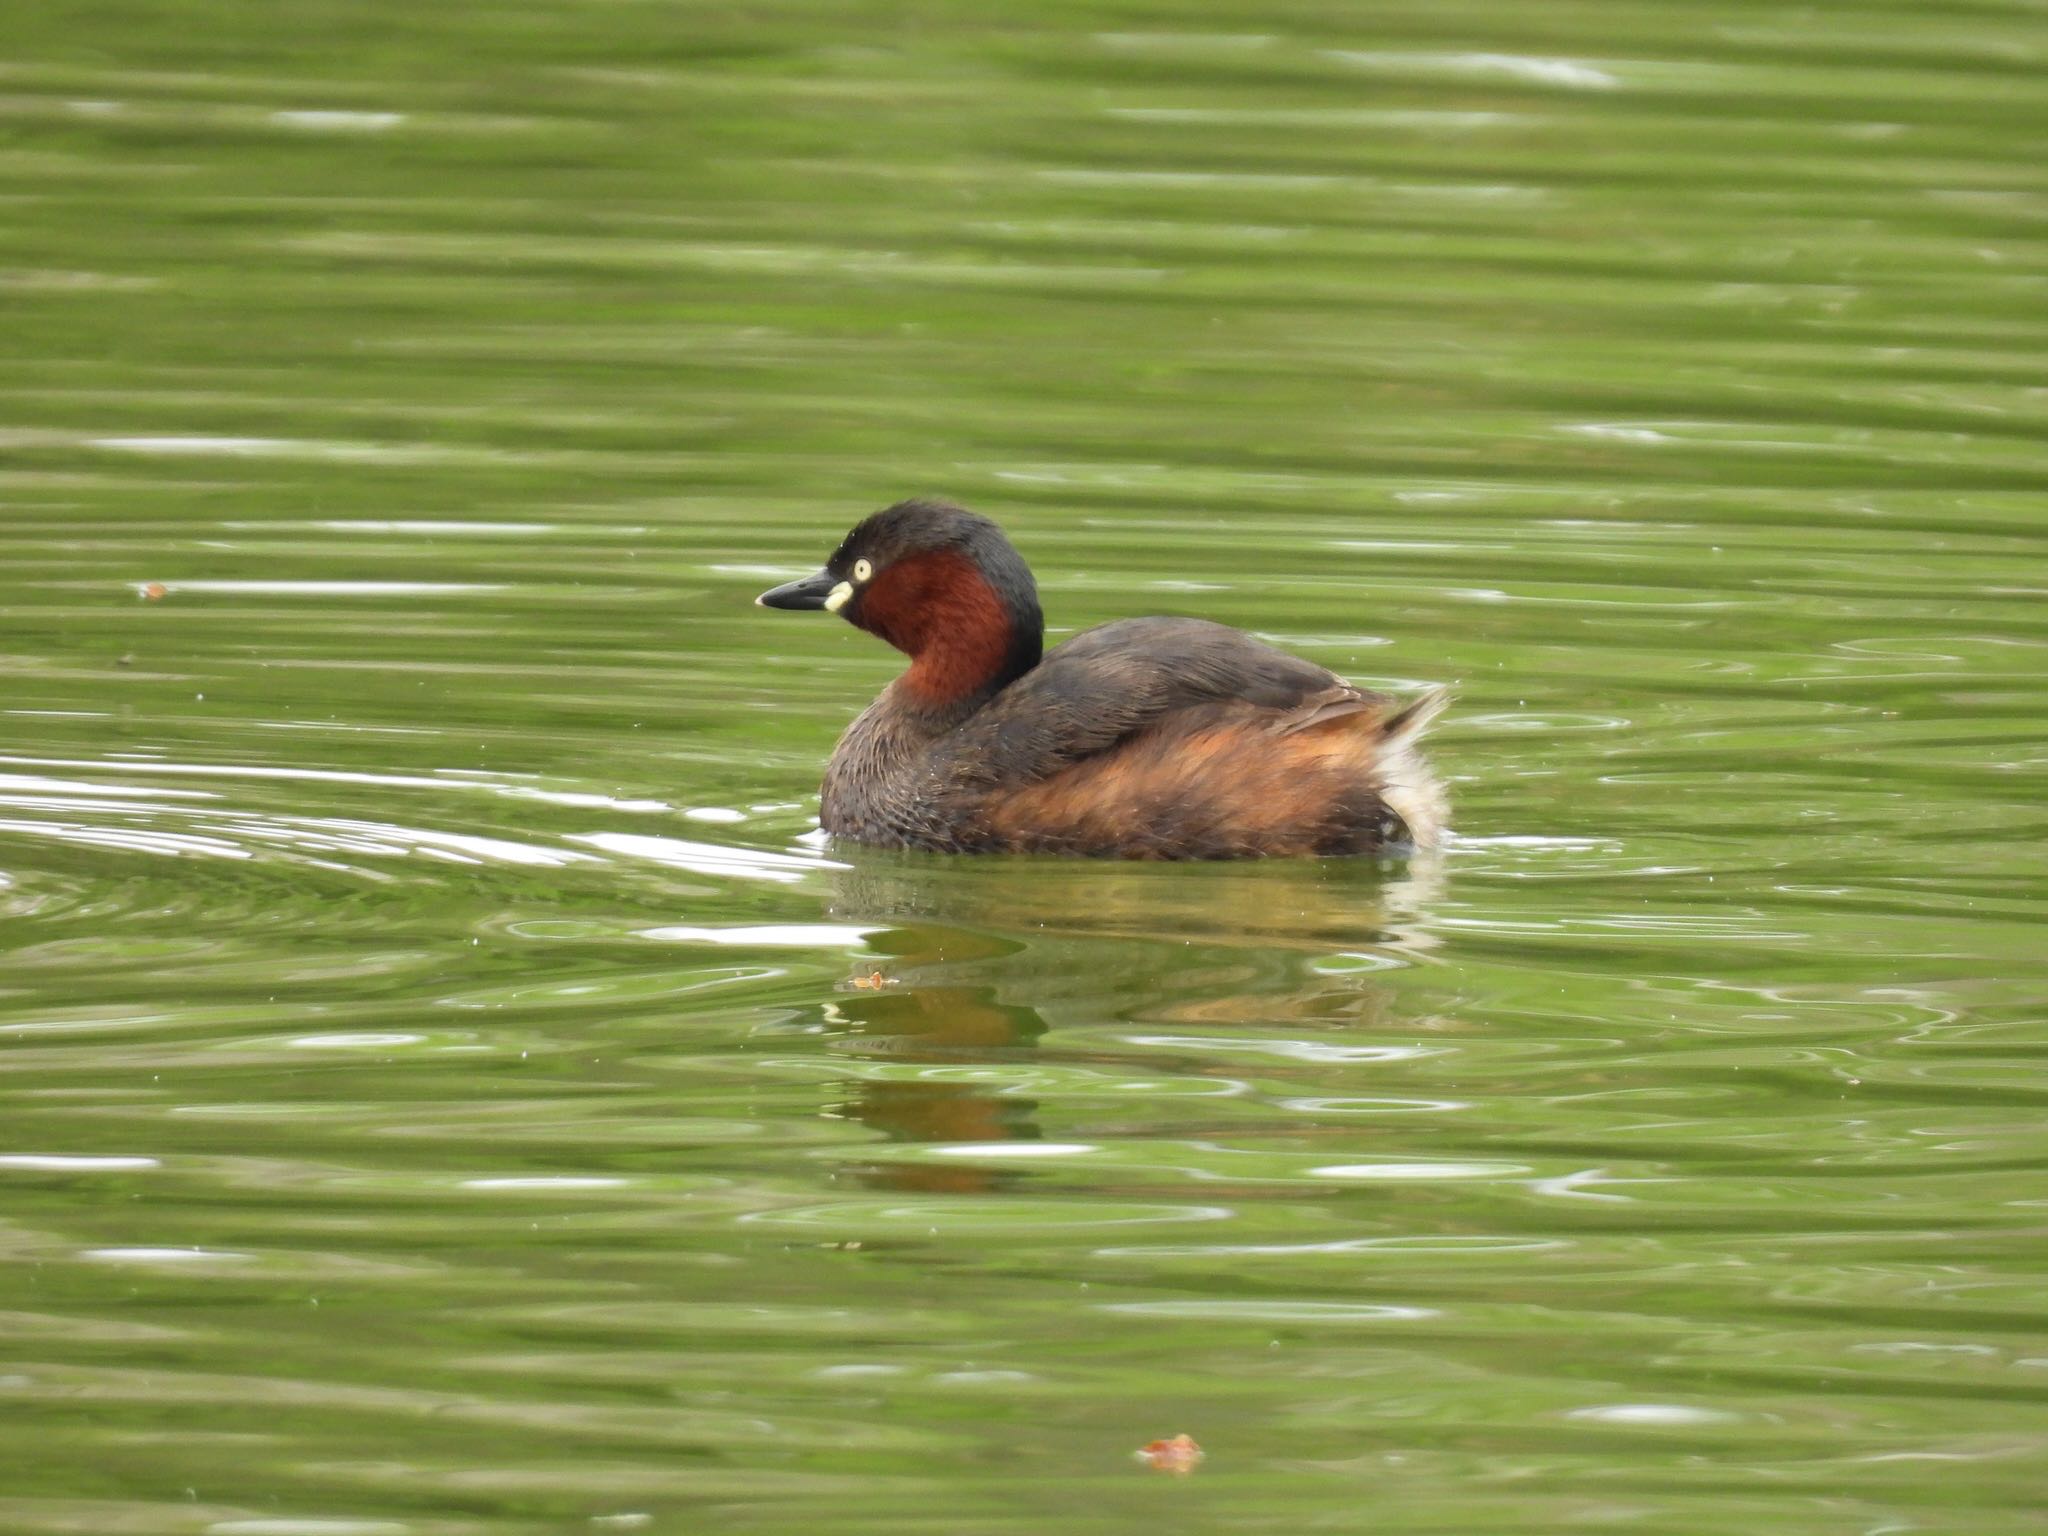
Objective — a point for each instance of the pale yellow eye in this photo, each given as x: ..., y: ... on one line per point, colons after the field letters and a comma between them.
x: 863, y: 569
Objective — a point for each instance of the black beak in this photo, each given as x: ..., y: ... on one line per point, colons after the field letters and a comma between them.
x: 804, y: 592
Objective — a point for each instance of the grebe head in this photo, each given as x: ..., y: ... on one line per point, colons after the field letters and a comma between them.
x: 942, y: 585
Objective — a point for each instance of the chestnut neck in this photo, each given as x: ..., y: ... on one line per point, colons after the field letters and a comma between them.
x: 966, y: 637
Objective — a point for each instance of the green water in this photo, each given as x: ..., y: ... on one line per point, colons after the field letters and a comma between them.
x: 437, y: 1098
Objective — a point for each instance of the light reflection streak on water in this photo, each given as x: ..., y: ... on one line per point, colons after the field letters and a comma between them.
x: 26, y: 789
x: 705, y: 858
x: 1293, y: 1050
x: 134, y: 840
x: 775, y: 935
x: 1295, y: 1312
x: 328, y: 588
x: 424, y: 527
x: 1390, y: 1247
x: 242, y: 836
x: 454, y: 779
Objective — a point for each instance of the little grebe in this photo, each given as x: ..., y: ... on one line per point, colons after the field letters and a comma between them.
x: 1144, y: 738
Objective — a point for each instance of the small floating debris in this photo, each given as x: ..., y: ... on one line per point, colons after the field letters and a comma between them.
x: 152, y: 591
x: 874, y: 981
x: 1179, y: 1456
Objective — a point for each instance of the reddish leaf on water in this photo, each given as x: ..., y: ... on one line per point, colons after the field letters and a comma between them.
x: 1180, y: 1455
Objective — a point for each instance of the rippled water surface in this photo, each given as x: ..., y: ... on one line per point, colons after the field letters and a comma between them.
x: 448, y: 1088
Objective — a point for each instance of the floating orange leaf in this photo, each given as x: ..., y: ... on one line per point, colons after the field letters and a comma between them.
x: 1180, y: 1455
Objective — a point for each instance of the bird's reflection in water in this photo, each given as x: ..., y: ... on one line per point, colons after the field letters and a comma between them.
x: 929, y: 1004
x: 985, y: 956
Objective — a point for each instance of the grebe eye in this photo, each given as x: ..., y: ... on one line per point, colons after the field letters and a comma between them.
x: 863, y: 569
